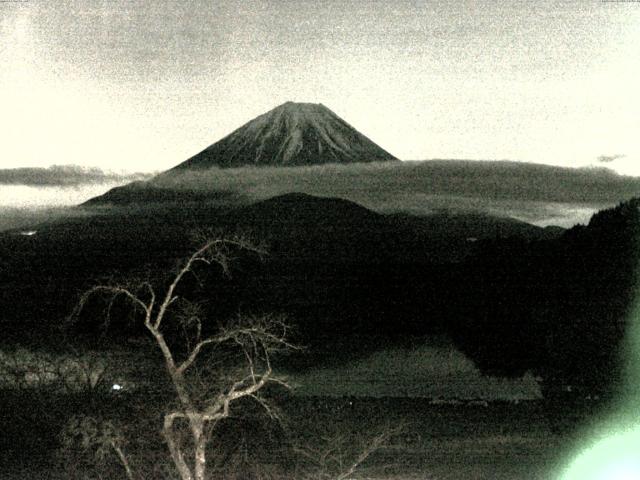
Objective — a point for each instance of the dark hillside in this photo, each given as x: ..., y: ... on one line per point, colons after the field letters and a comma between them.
x: 331, y: 262
x: 514, y: 297
x: 560, y: 308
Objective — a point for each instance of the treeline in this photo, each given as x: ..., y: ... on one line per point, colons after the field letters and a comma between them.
x: 560, y: 308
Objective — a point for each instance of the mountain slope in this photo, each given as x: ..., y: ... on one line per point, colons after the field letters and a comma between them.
x: 539, y: 194
x: 292, y: 134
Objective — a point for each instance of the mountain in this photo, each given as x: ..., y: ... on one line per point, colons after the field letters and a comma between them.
x: 302, y: 209
x: 334, y: 229
x: 539, y: 194
x: 292, y: 134
x: 327, y: 257
x: 319, y: 229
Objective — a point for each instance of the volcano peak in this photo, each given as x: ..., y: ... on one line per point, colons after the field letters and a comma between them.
x: 291, y: 134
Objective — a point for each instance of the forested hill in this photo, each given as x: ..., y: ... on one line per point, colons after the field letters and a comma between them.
x: 514, y: 297
x: 560, y: 308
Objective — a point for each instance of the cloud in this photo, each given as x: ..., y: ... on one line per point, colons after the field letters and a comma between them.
x: 64, y: 176
x: 610, y: 158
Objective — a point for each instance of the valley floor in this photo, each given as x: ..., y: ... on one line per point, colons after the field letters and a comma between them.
x: 437, y: 442
x: 497, y: 441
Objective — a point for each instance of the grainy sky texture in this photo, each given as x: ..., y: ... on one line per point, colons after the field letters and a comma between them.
x: 142, y: 85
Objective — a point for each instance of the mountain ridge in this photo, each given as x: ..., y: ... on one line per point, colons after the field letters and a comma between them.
x: 291, y: 134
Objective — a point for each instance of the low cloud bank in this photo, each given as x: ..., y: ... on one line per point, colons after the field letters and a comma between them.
x: 65, y: 176
x: 610, y: 158
x: 374, y: 183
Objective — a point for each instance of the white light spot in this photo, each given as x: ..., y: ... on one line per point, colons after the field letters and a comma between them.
x: 116, y: 387
x: 28, y: 233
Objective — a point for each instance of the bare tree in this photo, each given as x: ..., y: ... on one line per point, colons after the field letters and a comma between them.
x: 202, y: 401
x: 98, y: 438
x: 334, y: 457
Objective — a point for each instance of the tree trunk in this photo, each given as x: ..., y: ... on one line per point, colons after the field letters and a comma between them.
x: 123, y: 460
x: 174, y: 449
x: 200, y: 444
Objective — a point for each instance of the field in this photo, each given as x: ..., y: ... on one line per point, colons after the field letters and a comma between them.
x: 313, y: 437
x: 474, y: 441
x: 494, y: 441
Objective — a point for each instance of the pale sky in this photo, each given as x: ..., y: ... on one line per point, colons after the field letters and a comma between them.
x: 141, y: 85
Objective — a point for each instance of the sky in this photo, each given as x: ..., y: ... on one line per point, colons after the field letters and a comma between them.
x: 142, y: 85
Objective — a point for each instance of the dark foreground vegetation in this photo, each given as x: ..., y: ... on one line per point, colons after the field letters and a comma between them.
x: 315, y: 438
